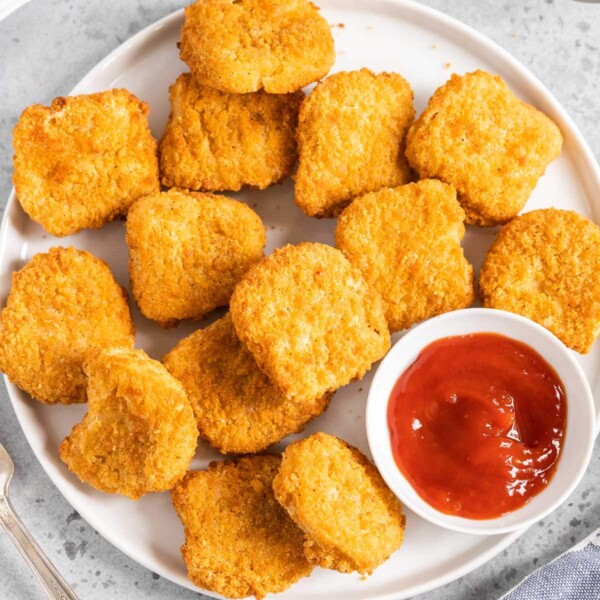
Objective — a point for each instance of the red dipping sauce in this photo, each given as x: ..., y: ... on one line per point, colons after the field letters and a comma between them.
x: 477, y: 424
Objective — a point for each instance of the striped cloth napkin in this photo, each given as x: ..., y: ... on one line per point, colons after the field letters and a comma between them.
x: 574, y: 575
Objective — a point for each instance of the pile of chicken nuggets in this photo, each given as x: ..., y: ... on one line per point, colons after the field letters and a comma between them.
x: 302, y: 322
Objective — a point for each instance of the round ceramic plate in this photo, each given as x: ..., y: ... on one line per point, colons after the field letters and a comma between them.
x: 426, y: 47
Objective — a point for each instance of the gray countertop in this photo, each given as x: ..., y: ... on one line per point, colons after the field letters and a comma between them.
x: 46, y: 47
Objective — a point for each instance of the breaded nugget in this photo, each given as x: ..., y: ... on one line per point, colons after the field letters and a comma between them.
x: 351, y: 139
x: 310, y: 320
x: 237, y: 408
x: 61, y: 304
x: 476, y: 135
x: 241, y: 46
x: 187, y: 251
x: 84, y: 160
x: 545, y: 265
x: 406, y: 242
x: 219, y: 141
x: 238, y: 540
x: 139, y: 434
x: 352, y: 520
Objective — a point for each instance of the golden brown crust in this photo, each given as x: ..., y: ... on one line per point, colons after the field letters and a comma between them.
x: 237, y: 408
x: 238, y: 540
x: 61, y: 304
x: 406, y: 242
x: 310, y: 320
x: 187, y: 252
x: 139, y: 434
x: 544, y: 265
x: 476, y: 135
x: 241, y: 46
x: 352, y: 520
x: 351, y: 134
x: 83, y: 161
x: 219, y: 141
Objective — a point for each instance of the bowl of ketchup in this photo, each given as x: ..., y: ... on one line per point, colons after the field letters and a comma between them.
x: 481, y: 421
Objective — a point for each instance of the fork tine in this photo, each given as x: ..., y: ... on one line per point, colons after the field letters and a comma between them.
x: 7, y: 468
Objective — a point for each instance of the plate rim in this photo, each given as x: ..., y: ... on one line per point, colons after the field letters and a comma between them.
x: 440, y: 19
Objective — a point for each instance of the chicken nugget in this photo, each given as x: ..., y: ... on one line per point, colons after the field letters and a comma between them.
x: 237, y: 408
x: 187, y: 251
x: 241, y: 46
x: 476, y: 135
x: 83, y: 161
x: 351, y: 134
x: 61, y: 304
x: 352, y: 520
x: 238, y: 540
x: 139, y: 434
x: 311, y: 321
x: 406, y: 242
x: 219, y: 141
x: 544, y: 265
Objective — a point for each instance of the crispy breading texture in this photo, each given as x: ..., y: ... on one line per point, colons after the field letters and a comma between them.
x: 406, y: 242
x: 139, y: 434
x: 219, y: 141
x: 351, y: 136
x: 83, y: 161
x: 310, y: 320
x: 241, y: 46
x: 238, y: 540
x: 61, y: 304
x: 187, y: 252
x: 237, y: 408
x: 352, y: 520
x: 476, y: 135
x: 544, y: 265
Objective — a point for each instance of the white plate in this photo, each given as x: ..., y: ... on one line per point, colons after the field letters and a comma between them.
x: 423, y: 45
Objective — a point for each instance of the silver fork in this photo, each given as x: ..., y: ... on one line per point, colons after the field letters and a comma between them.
x: 51, y: 581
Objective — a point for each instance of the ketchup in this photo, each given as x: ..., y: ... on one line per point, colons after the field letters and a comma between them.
x: 477, y: 424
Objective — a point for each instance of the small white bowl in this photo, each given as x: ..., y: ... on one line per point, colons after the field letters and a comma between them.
x: 579, y: 436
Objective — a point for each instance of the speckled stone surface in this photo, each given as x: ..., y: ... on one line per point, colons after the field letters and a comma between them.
x: 46, y: 47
